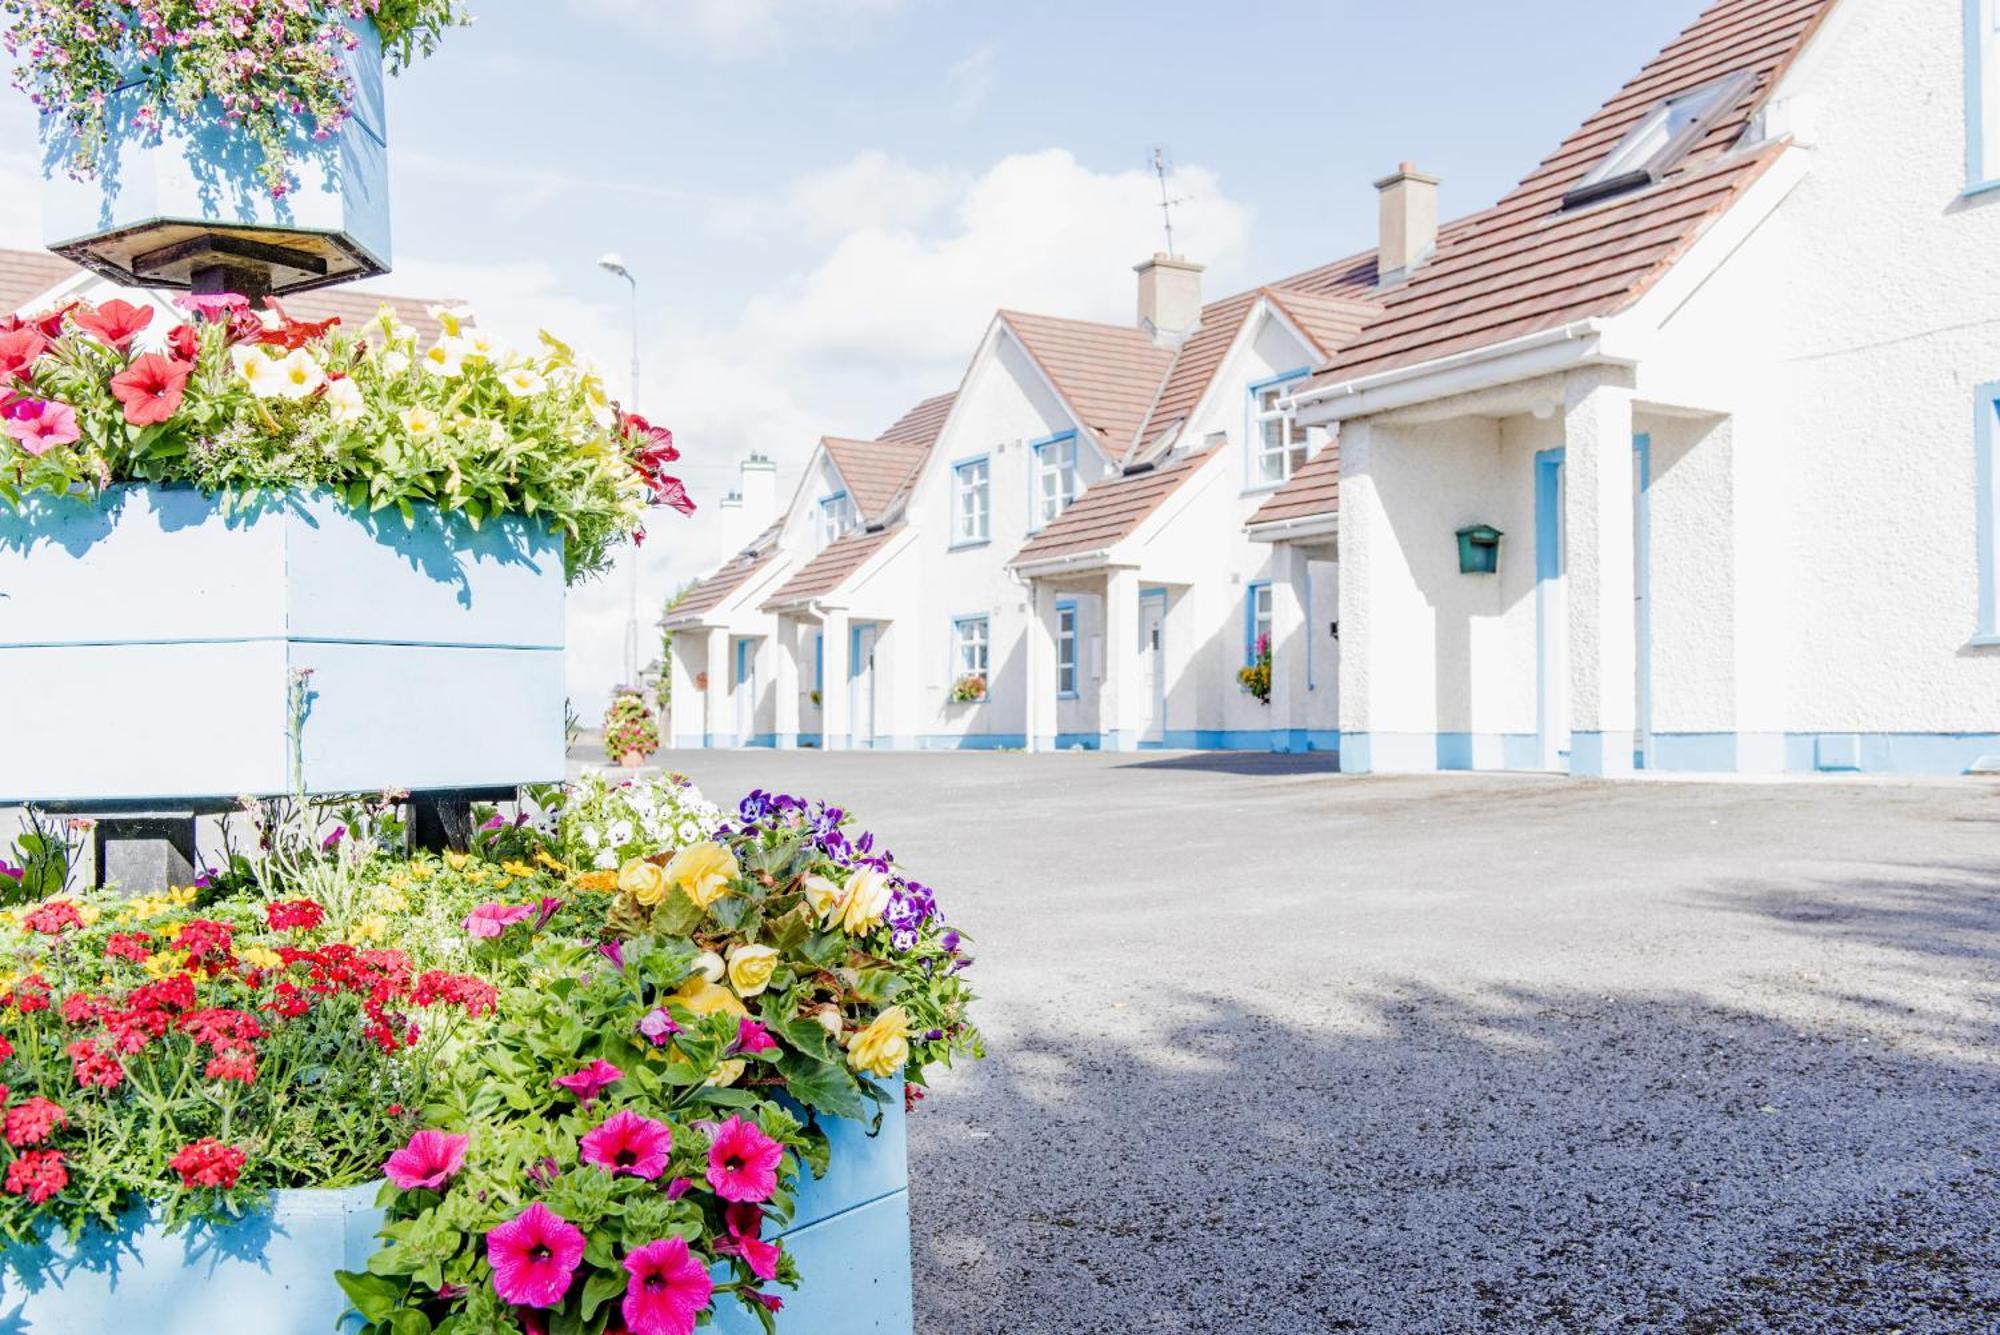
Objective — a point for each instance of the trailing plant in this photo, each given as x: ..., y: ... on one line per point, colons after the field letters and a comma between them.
x: 629, y: 727
x: 247, y: 406
x: 1255, y: 676
x: 274, y: 74
x: 969, y: 689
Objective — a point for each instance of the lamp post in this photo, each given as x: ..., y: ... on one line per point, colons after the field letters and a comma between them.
x: 614, y: 263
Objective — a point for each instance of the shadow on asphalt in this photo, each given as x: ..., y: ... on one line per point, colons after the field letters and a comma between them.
x: 1518, y: 1160
x: 1241, y: 762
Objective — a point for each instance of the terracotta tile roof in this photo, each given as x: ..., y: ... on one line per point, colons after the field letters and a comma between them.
x: 875, y: 471
x: 1108, y: 374
x: 26, y: 274
x: 1312, y: 491
x: 1110, y: 511
x: 1330, y: 322
x: 710, y: 594
x: 831, y: 568
x: 1194, y: 368
x: 922, y: 423
x: 1527, y: 265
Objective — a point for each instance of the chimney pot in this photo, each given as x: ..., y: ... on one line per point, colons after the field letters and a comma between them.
x: 1169, y: 298
x: 1409, y: 222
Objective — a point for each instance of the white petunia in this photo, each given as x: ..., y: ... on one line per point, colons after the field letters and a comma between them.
x: 256, y: 371
x: 299, y: 376
x: 523, y: 382
x: 452, y: 319
x: 421, y: 423
x: 445, y: 358
x: 395, y: 364
x: 344, y: 402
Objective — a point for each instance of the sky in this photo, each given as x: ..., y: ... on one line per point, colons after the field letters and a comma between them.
x: 823, y: 201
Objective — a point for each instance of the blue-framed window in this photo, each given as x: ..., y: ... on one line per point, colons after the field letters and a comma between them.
x: 819, y: 662
x: 1982, y: 94
x: 1986, y: 443
x: 1256, y: 618
x: 837, y: 518
x: 1278, y: 444
x: 1055, y: 477
x: 1067, y: 671
x: 971, y: 502
x: 970, y: 639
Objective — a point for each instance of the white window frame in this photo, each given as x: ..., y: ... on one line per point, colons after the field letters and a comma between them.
x: 1661, y: 138
x: 1257, y: 619
x: 971, y: 646
x: 1068, y: 664
x: 1986, y: 508
x: 972, y: 481
x: 1273, y: 460
x: 1056, y: 484
x: 1982, y: 95
x: 838, y: 517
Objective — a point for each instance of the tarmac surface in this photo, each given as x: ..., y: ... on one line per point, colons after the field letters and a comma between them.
x: 1278, y: 1050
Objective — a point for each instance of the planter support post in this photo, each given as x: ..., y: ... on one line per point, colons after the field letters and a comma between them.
x: 145, y: 852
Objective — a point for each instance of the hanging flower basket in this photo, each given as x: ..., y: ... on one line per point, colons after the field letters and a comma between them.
x: 1255, y: 676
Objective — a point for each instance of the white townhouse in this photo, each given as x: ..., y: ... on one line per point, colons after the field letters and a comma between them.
x: 1723, y: 375
x: 749, y: 674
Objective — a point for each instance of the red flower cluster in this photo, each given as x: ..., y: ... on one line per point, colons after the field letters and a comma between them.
x: 53, y: 918
x: 134, y: 946
x: 293, y: 334
x: 150, y: 389
x: 93, y: 1068
x: 31, y: 994
x: 208, y: 1163
x: 33, y: 1121
x: 236, y: 1064
x: 656, y: 450
x: 295, y: 915
x: 38, y: 1175
x: 475, y: 995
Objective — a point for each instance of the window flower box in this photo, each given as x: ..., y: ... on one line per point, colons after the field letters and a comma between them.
x: 969, y: 690
x: 156, y: 646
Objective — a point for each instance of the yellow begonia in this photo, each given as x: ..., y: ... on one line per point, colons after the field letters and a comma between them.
x: 645, y: 881
x: 825, y: 896
x: 881, y: 1049
x: 750, y: 969
x: 867, y: 899
x: 705, y: 998
x: 705, y: 873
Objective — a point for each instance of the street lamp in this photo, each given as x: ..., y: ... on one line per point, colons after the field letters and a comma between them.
x: 614, y: 263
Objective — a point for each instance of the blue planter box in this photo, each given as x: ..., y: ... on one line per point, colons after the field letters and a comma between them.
x: 271, y: 1273
x: 148, y: 644
x: 197, y: 176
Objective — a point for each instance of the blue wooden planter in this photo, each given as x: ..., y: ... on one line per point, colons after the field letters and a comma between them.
x: 149, y: 645
x: 197, y: 177
x: 271, y: 1273
x: 850, y: 1233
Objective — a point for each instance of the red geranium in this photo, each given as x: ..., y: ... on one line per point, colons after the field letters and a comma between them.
x: 240, y: 1066
x: 38, y: 1175
x: 33, y: 1121
x: 94, y: 1068
x: 52, y: 918
x: 294, y: 915
x: 31, y: 994
x: 151, y: 388
x: 116, y: 323
x: 207, y: 945
x: 208, y: 1163
x: 128, y: 945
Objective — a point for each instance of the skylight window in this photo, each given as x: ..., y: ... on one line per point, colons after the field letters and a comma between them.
x: 1660, y: 139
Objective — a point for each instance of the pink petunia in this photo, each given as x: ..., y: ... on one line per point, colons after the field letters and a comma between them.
x: 669, y: 1289
x: 212, y: 305
x: 743, y: 1162
x: 746, y: 1224
x: 38, y: 425
x: 631, y: 1144
x: 430, y: 1160
x: 534, y: 1255
x: 491, y: 920
x: 591, y: 1081
x: 753, y: 1037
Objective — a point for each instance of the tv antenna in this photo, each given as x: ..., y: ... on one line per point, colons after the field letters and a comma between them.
x: 1162, y: 162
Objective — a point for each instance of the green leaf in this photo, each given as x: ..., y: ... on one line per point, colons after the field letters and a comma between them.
x: 374, y: 1296
x: 823, y: 1086
x: 600, y: 1286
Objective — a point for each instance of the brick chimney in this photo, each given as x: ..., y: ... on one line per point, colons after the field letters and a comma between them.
x: 1409, y: 222
x: 1169, y: 298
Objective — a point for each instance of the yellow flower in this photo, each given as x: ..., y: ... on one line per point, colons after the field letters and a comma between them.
x: 645, y: 881
x: 882, y: 1048
x: 602, y: 881
x: 705, y: 998
x: 389, y: 899
x: 825, y: 896
x: 867, y: 897
x: 559, y: 868
x: 727, y: 1074
x: 516, y: 867
x: 260, y: 957
x: 398, y: 881
x: 750, y: 969
x: 172, y: 932
x: 456, y: 861
x: 419, y: 872
x: 476, y: 875
x: 370, y: 929
x: 161, y: 964
x: 704, y: 872
x: 90, y: 913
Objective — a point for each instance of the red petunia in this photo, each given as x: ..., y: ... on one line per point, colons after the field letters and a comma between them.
x: 38, y: 1175
x: 19, y: 348
x: 208, y: 1163
x: 151, y: 388
x: 294, y: 334
x: 183, y: 342
x: 33, y: 1121
x: 115, y: 323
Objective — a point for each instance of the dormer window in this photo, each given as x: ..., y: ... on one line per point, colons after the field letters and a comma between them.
x: 837, y: 518
x: 1661, y: 139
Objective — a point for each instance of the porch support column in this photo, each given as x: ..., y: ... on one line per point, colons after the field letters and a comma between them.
x: 719, y: 723
x: 685, y: 706
x: 1372, y: 655
x: 837, y: 691
x: 1042, y: 675
x: 1290, y: 645
x: 1597, y: 515
x: 1119, y: 704
x: 785, y: 681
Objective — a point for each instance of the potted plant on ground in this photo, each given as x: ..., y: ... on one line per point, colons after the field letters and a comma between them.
x: 630, y: 732
x: 1255, y: 676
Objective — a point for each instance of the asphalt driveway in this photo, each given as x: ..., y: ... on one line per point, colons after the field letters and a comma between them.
x: 1274, y: 1050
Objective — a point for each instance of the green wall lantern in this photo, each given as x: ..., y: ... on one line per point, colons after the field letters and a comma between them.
x: 1479, y: 550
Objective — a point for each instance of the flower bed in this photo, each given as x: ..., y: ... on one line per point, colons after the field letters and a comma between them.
x: 591, y: 1088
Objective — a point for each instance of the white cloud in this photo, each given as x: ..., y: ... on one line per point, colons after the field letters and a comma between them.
x: 971, y: 80
x: 747, y: 27
x: 913, y: 263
